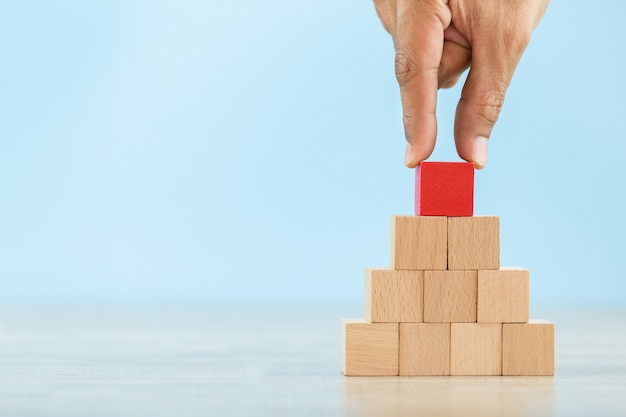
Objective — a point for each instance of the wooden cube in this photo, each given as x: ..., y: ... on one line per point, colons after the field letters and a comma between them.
x: 444, y: 189
x: 394, y: 295
x: 476, y: 349
x: 424, y: 348
x: 474, y: 242
x: 528, y: 349
x: 369, y: 349
x: 503, y: 295
x: 419, y: 242
x: 450, y: 296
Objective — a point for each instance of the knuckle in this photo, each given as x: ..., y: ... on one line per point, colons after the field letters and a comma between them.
x: 488, y: 107
x: 404, y: 67
x: 407, y: 68
x: 439, y: 9
x: 517, y: 37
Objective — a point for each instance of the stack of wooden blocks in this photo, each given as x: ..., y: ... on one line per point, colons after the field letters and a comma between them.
x: 446, y: 307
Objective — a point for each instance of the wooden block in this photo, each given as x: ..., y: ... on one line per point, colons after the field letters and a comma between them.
x: 419, y: 242
x: 424, y: 348
x: 503, y: 295
x: 476, y: 349
x: 528, y: 349
x: 444, y: 189
x: 474, y: 242
x: 369, y: 349
x: 394, y: 295
x: 450, y: 296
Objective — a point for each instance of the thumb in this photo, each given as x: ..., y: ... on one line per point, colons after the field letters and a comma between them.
x: 482, y: 98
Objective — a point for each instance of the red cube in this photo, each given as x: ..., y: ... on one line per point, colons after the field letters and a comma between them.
x: 444, y: 189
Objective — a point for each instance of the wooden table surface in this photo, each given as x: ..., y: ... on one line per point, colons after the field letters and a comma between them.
x: 228, y: 361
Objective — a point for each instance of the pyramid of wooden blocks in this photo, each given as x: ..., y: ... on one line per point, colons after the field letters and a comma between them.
x: 446, y: 306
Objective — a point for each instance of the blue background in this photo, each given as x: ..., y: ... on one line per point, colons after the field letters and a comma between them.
x: 252, y: 152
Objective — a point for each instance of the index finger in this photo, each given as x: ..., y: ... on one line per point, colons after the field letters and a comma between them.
x: 419, y: 41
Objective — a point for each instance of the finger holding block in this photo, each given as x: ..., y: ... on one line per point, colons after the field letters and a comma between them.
x: 528, y: 349
x: 424, y: 349
x: 394, y: 295
x: 503, y: 295
x: 419, y: 242
x: 369, y: 349
x: 474, y: 242
x: 476, y: 349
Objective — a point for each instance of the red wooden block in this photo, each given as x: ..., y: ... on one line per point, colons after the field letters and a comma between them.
x: 444, y: 189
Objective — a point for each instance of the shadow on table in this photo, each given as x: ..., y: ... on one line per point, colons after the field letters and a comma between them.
x: 443, y: 396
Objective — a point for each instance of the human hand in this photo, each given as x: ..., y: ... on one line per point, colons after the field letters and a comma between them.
x: 435, y: 42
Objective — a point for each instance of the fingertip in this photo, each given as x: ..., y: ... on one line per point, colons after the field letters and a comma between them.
x: 474, y: 150
x: 412, y: 163
x: 409, y: 158
x: 414, y: 155
x: 471, y: 135
x: 408, y: 155
x: 480, y: 151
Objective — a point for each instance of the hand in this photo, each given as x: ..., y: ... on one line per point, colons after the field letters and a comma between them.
x: 435, y: 42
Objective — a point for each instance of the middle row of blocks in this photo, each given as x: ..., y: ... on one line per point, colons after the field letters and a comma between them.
x: 440, y: 243
x: 487, y: 296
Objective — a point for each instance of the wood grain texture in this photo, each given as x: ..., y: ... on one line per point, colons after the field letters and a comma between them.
x: 474, y: 242
x: 476, y: 349
x: 503, y: 295
x: 424, y: 349
x: 450, y: 296
x: 394, y: 295
x: 369, y: 349
x: 528, y: 349
x: 444, y: 189
x: 419, y: 242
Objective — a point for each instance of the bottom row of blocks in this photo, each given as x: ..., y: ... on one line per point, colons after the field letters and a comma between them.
x: 379, y: 349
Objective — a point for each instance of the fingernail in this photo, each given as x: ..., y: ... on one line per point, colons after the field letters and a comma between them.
x: 480, y: 152
x: 408, y: 154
